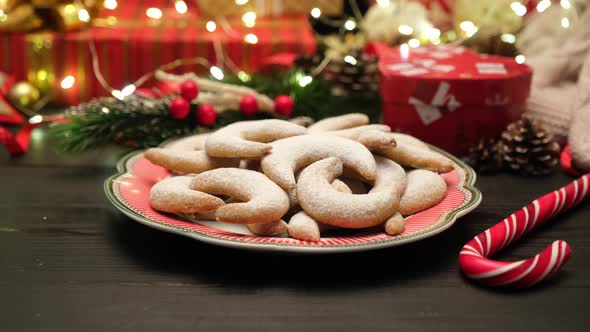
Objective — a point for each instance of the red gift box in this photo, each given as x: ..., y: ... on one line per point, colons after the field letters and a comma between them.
x: 129, y: 45
x: 449, y: 96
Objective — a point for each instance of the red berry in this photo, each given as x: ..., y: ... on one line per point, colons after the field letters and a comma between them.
x: 206, y: 115
x: 189, y: 90
x: 248, y: 105
x: 179, y: 108
x: 284, y: 105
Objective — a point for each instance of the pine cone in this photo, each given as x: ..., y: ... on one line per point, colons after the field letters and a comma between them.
x: 485, y: 157
x: 359, y: 75
x: 527, y: 149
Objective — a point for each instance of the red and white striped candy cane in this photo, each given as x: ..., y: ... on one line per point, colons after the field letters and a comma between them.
x: 473, y: 257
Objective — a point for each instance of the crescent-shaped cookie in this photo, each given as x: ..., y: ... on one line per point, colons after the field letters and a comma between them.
x: 410, y: 155
x: 187, y: 161
x: 174, y: 195
x: 339, y: 122
x: 268, y: 228
x: 395, y: 225
x: 425, y: 189
x: 261, y: 199
x: 326, y: 205
x: 248, y: 139
x: 291, y: 154
x: 373, y: 135
x: 303, y: 227
x: 189, y: 143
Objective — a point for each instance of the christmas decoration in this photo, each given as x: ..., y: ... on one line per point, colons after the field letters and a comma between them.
x: 179, y: 108
x: 474, y: 260
x: 527, y: 149
x: 23, y: 94
x: 485, y: 157
x: 248, y: 105
x: 450, y: 96
x: 189, y: 90
x: 206, y: 115
x: 24, y: 16
x: 357, y: 72
x: 7, y: 113
x: 284, y: 105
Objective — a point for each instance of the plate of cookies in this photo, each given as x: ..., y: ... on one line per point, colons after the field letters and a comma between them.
x: 339, y: 185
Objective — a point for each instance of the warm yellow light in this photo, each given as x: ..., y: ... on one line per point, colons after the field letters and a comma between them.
x: 508, y: 38
x: 211, y: 26
x: 241, y: 2
x: 349, y: 25
x: 469, y: 28
x: 243, y: 76
x: 518, y: 8
x: 249, y: 19
x: 404, y: 51
x: 305, y: 80
x: 83, y: 15
x: 181, y: 7
x: 384, y: 3
x: 69, y: 8
x: 520, y: 58
x: 565, y: 22
x: 68, y: 82
x: 117, y: 94
x: 432, y: 33
x: 413, y: 43
x: 128, y: 90
x: 110, y: 4
x: 216, y: 72
x: 316, y: 12
x: 350, y: 59
x: 405, y: 29
x: 251, y: 38
x: 42, y: 75
x: 36, y: 119
x: 154, y: 13
x: 565, y: 4
x: 543, y: 5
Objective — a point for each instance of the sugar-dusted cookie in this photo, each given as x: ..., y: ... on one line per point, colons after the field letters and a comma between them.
x: 303, y: 227
x: 291, y: 154
x: 339, y: 122
x: 395, y: 225
x: 327, y: 205
x: 248, y: 139
x: 261, y: 199
x: 174, y: 195
x: 410, y: 155
x: 189, y: 143
x: 187, y: 161
x: 425, y: 189
x: 268, y: 228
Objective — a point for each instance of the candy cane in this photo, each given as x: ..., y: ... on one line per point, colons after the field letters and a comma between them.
x: 473, y: 257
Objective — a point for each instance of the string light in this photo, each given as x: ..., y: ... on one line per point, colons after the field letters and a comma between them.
x: 315, y: 12
x: 305, y: 80
x: 543, y: 5
x: 105, y: 110
x: 117, y: 94
x: 520, y: 58
x: 68, y: 82
x: 154, y: 13
x: 349, y: 25
x: 69, y: 8
x: 241, y: 2
x: 83, y: 15
x: 211, y: 26
x: 181, y: 7
x: 565, y: 22
x: 432, y: 33
x: 405, y: 29
x: 469, y: 28
x: 251, y: 38
x: 404, y: 51
x: 243, y: 76
x: 413, y: 43
x: 565, y: 4
x: 216, y: 72
x: 508, y: 38
x: 36, y: 119
x: 384, y: 3
x: 128, y: 90
x: 350, y: 59
x: 518, y: 8
x: 249, y: 19
x: 110, y: 4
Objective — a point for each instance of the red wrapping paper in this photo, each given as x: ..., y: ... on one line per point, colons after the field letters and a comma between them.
x: 451, y: 97
x: 137, y: 44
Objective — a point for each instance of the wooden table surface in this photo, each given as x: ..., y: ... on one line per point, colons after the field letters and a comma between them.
x: 70, y: 262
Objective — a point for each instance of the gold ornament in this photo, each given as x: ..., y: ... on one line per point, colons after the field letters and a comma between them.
x: 23, y: 94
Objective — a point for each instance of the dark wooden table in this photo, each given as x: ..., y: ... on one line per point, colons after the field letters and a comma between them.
x: 71, y: 262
